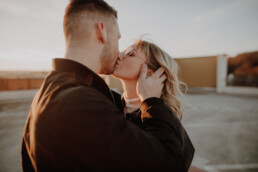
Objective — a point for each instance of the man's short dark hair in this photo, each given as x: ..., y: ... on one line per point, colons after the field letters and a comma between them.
x: 92, y: 9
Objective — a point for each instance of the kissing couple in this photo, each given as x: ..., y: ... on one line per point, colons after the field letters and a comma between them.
x: 77, y: 123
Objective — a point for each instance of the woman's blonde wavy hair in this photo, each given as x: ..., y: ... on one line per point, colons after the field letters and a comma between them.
x: 155, y: 58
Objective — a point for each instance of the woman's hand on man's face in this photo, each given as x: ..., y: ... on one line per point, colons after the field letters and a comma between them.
x: 150, y: 86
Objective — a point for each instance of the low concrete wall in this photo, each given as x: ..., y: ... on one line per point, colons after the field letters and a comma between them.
x: 115, y: 83
x: 20, y: 84
x: 198, y: 72
x: 27, y: 84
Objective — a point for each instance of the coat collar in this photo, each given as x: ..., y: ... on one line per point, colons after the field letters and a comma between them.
x: 87, y: 76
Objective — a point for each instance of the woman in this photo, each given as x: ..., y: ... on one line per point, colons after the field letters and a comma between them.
x: 128, y: 67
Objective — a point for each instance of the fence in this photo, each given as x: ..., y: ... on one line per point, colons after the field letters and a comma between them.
x: 20, y: 84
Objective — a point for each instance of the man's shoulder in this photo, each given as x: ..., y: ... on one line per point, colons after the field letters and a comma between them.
x: 67, y: 85
x: 80, y: 98
x: 65, y: 89
x: 81, y: 92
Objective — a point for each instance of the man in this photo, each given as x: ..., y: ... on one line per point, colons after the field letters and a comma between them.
x: 74, y: 123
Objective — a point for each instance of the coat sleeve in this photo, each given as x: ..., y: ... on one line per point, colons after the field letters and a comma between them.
x: 135, y: 117
x: 97, y: 133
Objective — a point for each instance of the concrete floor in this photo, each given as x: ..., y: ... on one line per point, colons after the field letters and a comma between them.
x: 223, y: 129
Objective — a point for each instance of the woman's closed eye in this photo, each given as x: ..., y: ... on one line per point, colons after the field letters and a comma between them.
x: 130, y: 53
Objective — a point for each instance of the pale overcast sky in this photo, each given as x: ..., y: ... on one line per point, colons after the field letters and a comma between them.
x: 31, y: 31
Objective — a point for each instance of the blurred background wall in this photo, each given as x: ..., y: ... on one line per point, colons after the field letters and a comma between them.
x: 196, y: 72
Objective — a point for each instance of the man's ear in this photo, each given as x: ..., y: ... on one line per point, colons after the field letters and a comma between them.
x: 101, y: 32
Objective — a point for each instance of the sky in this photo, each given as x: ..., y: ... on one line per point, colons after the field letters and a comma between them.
x: 31, y: 32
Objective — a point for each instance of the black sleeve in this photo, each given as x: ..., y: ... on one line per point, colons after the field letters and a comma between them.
x: 97, y: 133
x: 135, y: 117
x: 163, y: 119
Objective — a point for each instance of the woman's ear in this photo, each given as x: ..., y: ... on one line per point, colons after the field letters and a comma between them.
x: 101, y: 32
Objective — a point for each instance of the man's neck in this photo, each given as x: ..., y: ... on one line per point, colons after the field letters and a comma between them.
x: 86, y: 56
x: 130, y: 89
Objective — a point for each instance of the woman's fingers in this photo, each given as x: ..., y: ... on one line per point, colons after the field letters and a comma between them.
x: 158, y: 73
x: 162, y: 85
x: 150, y: 86
x: 143, y: 73
x: 163, y: 78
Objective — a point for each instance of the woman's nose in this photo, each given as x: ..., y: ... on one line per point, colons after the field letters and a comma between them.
x: 120, y: 56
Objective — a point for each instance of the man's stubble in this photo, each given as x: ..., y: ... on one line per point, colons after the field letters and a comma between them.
x: 107, y: 60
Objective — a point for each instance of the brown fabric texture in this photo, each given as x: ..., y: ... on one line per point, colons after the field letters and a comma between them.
x: 76, y: 123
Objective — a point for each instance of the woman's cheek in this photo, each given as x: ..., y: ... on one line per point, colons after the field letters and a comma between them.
x: 137, y: 70
x: 131, y: 68
x: 129, y: 71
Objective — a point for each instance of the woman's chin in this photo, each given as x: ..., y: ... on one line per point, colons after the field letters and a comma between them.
x: 115, y: 74
x: 123, y: 75
x: 118, y: 76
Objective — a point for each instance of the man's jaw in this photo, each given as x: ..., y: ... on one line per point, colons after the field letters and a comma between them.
x: 114, y: 66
